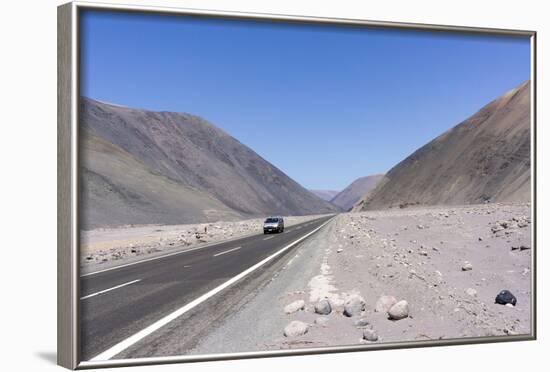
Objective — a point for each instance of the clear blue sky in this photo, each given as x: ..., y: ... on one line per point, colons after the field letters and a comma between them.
x: 325, y: 104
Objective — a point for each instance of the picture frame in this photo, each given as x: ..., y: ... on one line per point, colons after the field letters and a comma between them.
x: 69, y: 203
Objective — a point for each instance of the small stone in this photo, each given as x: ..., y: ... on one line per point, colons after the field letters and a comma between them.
x: 471, y: 292
x: 321, y: 321
x: 339, y: 250
x: 399, y: 311
x: 423, y: 253
x: 323, y: 307
x: 384, y: 304
x: 467, y: 266
x: 370, y: 335
x: 295, y: 306
x: 480, y: 239
x: 361, y: 322
x: 354, y: 305
x: 296, y: 328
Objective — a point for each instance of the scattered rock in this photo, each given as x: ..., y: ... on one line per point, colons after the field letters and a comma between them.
x: 471, y: 292
x: 399, y: 311
x: 354, y: 305
x: 370, y: 335
x: 384, y: 304
x: 506, y: 297
x: 296, y: 328
x: 323, y: 307
x: 295, y: 306
x: 339, y: 250
x: 467, y: 266
x: 361, y: 322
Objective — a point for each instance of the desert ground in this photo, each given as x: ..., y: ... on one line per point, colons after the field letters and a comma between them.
x: 443, y: 266
x: 104, y: 246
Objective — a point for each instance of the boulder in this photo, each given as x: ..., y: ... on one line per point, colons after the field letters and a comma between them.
x: 354, y: 305
x: 506, y: 297
x: 296, y: 328
x: 370, y: 335
x: 399, y: 311
x: 295, y: 306
x: 323, y: 307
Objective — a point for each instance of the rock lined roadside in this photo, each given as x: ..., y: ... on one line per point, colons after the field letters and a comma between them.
x: 121, y: 244
x: 388, y: 280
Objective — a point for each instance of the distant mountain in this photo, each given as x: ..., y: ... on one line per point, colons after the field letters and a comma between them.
x: 144, y: 167
x: 357, y: 189
x: 486, y: 158
x: 325, y: 194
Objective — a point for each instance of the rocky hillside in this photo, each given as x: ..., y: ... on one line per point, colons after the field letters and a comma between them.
x: 486, y: 158
x: 325, y: 194
x: 357, y: 189
x: 144, y: 167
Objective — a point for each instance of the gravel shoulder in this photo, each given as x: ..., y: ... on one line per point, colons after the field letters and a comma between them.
x: 443, y: 266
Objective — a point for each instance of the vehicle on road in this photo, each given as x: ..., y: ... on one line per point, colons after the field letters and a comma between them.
x: 274, y: 224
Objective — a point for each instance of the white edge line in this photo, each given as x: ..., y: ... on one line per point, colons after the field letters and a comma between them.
x: 163, y: 256
x: 109, y: 289
x: 124, y: 344
x: 224, y: 252
x: 269, y: 237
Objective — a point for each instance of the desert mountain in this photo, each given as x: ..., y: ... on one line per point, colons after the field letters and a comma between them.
x: 325, y: 194
x: 357, y: 189
x: 486, y: 158
x: 144, y: 167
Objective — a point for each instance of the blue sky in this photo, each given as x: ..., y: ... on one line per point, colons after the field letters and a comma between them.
x: 325, y: 104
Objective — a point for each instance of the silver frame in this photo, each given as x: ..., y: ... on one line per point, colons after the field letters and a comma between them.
x: 68, y: 335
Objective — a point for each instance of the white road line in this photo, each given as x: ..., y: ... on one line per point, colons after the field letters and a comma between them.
x: 224, y: 252
x: 269, y: 237
x: 124, y: 344
x: 110, y: 289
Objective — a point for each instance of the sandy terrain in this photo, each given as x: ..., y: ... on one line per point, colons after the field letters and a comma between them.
x: 100, y: 246
x: 449, y: 264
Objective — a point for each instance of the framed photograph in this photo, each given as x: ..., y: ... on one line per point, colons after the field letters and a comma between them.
x: 238, y: 185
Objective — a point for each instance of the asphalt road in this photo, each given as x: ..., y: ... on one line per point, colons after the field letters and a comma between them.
x: 120, y: 307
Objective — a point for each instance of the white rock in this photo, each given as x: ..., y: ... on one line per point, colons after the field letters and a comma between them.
x: 296, y: 328
x: 370, y: 335
x: 295, y: 306
x: 467, y: 266
x: 323, y: 307
x: 384, y: 304
x: 471, y: 292
x: 399, y: 311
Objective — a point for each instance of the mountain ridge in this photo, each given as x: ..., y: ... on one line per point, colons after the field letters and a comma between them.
x: 485, y: 158
x: 181, y: 156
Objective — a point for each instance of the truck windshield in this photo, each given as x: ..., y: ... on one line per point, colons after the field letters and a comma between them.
x: 271, y: 220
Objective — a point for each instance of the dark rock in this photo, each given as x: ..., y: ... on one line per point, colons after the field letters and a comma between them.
x: 505, y: 297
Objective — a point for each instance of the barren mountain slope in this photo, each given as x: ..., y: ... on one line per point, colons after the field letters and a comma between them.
x: 358, y: 188
x: 325, y: 194
x: 485, y: 158
x: 160, y: 167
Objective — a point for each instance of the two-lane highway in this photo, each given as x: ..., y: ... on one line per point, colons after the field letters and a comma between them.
x: 123, y: 305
